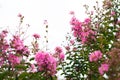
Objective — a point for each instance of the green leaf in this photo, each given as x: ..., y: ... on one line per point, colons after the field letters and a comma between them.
x: 23, y: 75
x: 21, y: 66
x: 32, y: 58
x: 3, y: 75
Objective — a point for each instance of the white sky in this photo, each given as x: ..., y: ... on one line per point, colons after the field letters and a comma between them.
x: 36, y: 11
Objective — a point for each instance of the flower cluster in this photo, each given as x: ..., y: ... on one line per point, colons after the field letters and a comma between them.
x: 36, y: 36
x: 46, y: 62
x: 95, y: 56
x: 59, y: 52
x: 19, y: 46
x: 10, y: 50
x: 82, y: 30
x: 19, y: 59
x: 103, y: 68
x: 14, y: 60
x: 3, y: 42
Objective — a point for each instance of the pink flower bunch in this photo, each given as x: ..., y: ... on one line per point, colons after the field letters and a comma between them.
x: 32, y: 68
x: 17, y: 43
x: 36, y: 36
x: 103, y: 68
x: 13, y: 59
x: 25, y: 50
x: 95, y: 56
x: 3, y: 42
x: 58, y: 49
x: 19, y: 46
x: 81, y: 31
x: 62, y: 56
x: 4, y: 46
x: 67, y: 48
x: 60, y: 53
x: 112, y: 13
x: 3, y: 34
x: 46, y: 62
x: 72, y: 42
x: 87, y: 21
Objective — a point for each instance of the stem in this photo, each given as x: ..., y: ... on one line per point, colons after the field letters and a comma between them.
x: 51, y: 78
x: 16, y: 77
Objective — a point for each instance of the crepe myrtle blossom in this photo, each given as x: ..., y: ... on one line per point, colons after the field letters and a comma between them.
x: 3, y: 34
x: 36, y: 36
x: 103, y: 68
x: 17, y: 43
x: 25, y: 50
x: 112, y: 13
x: 72, y: 42
x: 95, y: 56
x: 4, y: 45
x: 58, y: 49
x: 80, y: 30
x: 13, y: 59
x: 46, y: 62
x: 87, y: 20
x: 32, y: 68
x: 67, y: 48
x: 75, y: 22
x: 62, y: 56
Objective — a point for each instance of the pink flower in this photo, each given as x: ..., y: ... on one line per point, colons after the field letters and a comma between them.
x: 74, y: 49
x: 103, y: 68
x: 72, y: 12
x: 20, y: 15
x: 87, y: 20
x: 67, y: 48
x: 25, y: 50
x: 17, y: 43
x: 45, y: 61
x: 13, y: 59
x: 94, y: 56
x: 58, y: 49
x: 81, y: 32
x: 112, y: 13
x: 75, y: 22
x: 72, y: 42
x: 61, y: 56
x: 36, y: 36
x: 84, y: 36
x: 3, y: 34
x: 32, y: 68
x: 5, y: 46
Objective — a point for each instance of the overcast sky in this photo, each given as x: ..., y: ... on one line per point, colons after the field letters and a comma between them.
x: 36, y: 11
